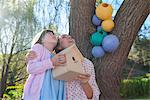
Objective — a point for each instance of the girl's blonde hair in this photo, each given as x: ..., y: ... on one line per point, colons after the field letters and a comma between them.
x: 39, y: 36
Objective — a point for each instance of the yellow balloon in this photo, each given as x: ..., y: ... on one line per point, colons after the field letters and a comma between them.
x: 108, y: 25
x: 104, y: 11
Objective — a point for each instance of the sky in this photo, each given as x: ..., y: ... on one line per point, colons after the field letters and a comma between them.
x: 45, y: 12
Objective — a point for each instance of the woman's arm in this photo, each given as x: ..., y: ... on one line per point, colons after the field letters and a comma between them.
x: 89, y: 68
x: 85, y: 85
x: 88, y: 90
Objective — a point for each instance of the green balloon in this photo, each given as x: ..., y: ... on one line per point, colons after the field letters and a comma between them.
x: 97, y: 37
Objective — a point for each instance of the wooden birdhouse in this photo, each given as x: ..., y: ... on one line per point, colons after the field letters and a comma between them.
x: 73, y: 66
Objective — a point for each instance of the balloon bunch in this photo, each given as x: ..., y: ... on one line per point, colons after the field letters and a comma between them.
x: 102, y: 40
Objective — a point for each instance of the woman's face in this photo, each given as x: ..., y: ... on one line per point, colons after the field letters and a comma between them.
x: 50, y: 39
x: 66, y: 41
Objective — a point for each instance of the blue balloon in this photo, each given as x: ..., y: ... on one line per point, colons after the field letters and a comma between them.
x: 99, y: 28
x: 98, y: 51
x: 95, y: 20
x: 110, y: 43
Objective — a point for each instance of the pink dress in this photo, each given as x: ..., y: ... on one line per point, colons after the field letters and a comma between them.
x: 36, y: 69
x: 74, y: 90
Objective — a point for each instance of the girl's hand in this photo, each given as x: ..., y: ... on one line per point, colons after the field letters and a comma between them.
x: 83, y: 78
x: 59, y: 60
x: 31, y: 55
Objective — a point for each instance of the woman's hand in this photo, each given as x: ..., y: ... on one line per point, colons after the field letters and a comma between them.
x: 59, y: 60
x: 83, y: 78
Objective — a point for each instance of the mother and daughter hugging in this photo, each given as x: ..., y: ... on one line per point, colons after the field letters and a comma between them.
x: 41, y: 60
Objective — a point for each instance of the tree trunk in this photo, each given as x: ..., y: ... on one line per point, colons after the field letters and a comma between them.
x: 3, y: 86
x: 5, y: 73
x: 128, y: 21
x: 80, y: 25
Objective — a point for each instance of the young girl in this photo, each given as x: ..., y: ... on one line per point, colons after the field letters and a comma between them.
x: 84, y: 87
x: 40, y: 84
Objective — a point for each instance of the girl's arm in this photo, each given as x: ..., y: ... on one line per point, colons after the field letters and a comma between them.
x: 37, y: 65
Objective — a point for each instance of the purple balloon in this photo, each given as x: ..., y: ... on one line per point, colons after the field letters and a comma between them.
x: 110, y: 43
x: 98, y: 51
x: 99, y: 28
x: 95, y: 20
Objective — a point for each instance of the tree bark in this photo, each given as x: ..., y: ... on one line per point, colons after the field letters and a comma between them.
x: 80, y: 25
x: 128, y: 22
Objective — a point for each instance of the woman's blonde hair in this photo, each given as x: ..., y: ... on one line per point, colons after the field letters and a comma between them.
x: 39, y: 36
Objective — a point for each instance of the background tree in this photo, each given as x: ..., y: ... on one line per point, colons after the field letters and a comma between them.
x: 17, y: 28
x: 128, y: 21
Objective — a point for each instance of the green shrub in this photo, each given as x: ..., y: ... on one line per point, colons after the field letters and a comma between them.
x: 136, y: 87
x: 14, y: 92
